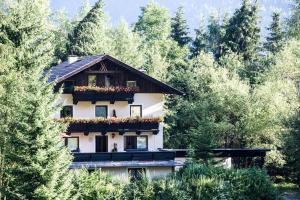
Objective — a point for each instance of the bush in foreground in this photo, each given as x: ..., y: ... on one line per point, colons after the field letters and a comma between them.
x: 195, y: 181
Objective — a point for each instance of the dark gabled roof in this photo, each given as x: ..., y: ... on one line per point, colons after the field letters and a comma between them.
x: 65, y: 70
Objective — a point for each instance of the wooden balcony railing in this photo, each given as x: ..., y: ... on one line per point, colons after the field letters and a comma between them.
x: 111, y: 94
x: 120, y: 125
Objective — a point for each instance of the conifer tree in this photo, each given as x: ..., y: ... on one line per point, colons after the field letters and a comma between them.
x: 242, y: 32
x: 275, y: 40
x: 293, y: 22
x: 199, y: 43
x: 180, y: 28
x: 27, y: 29
x: 90, y: 35
x: 33, y: 162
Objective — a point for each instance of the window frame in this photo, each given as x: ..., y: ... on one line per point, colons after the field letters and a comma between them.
x: 135, y: 149
x: 66, y: 89
x: 135, y: 169
x: 72, y: 111
x: 131, y: 82
x: 106, y: 108
x: 141, y: 109
x: 88, y: 81
x: 66, y: 142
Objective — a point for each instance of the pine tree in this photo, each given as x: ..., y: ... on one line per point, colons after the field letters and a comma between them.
x: 27, y: 29
x: 33, y: 162
x: 180, y: 28
x: 275, y: 40
x: 293, y: 22
x: 199, y: 44
x: 90, y: 35
x: 242, y: 32
x: 35, y: 165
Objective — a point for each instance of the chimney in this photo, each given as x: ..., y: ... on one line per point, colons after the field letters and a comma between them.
x: 72, y: 59
x: 143, y: 70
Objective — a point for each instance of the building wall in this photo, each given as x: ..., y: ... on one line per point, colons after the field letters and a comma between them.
x: 152, y: 106
x: 87, y: 143
x: 151, y: 172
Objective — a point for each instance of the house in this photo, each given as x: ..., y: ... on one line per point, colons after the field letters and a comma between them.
x: 114, y: 113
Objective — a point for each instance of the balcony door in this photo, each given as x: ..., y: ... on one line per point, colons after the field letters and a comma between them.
x: 101, y: 143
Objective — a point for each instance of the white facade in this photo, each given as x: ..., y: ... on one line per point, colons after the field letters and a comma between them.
x: 152, y: 106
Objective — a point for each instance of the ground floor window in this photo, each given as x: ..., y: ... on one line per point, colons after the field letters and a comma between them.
x: 136, y: 142
x: 72, y: 143
x: 136, y: 173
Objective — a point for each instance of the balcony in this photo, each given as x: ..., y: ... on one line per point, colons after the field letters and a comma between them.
x: 124, y: 156
x: 120, y: 125
x: 111, y: 94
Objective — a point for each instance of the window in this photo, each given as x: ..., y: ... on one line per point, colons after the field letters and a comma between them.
x: 101, y: 111
x: 136, y: 111
x: 92, y: 80
x: 136, y: 173
x: 67, y: 111
x: 136, y: 142
x: 107, y: 81
x: 72, y: 143
x: 131, y: 83
x: 68, y: 86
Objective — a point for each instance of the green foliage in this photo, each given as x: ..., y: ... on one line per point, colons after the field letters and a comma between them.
x: 126, y: 45
x: 222, y: 110
x: 275, y: 40
x: 293, y: 22
x: 194, y: 181
x: 34, y: 164
x: 30, y: 39
x: 179, y: 28
x: 204, y: 182
x: 154, y: 23
x: 242, y: 32
x: 97, y: 185
x: 292, y: 150
x: 89, y: 36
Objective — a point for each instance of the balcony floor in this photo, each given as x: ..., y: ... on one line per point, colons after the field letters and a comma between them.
x: 115, y: 164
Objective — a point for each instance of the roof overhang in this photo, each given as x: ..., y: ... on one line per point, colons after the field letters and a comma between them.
x: 167, y: 88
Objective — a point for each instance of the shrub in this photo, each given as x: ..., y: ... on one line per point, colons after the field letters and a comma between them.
x: 194, y: 181
x: 246, y: 184
x: 97, y: 185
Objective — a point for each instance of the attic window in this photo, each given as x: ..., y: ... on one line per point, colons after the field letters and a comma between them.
x: 131, y: 84
x: 92, y: 80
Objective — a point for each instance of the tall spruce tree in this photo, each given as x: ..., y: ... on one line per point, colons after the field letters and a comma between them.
x: 25, y: 26
x: 180, y: 28
x: 242, y: 32
x: 90, y: 35
x: 33, y: 162
x: 293, y: 22
x: 199, y: 43
x: 275, y: 41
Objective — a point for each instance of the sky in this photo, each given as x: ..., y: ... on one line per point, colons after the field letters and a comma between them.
x: 195, y: 10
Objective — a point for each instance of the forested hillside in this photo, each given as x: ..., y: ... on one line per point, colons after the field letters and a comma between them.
x: 241, y: 90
